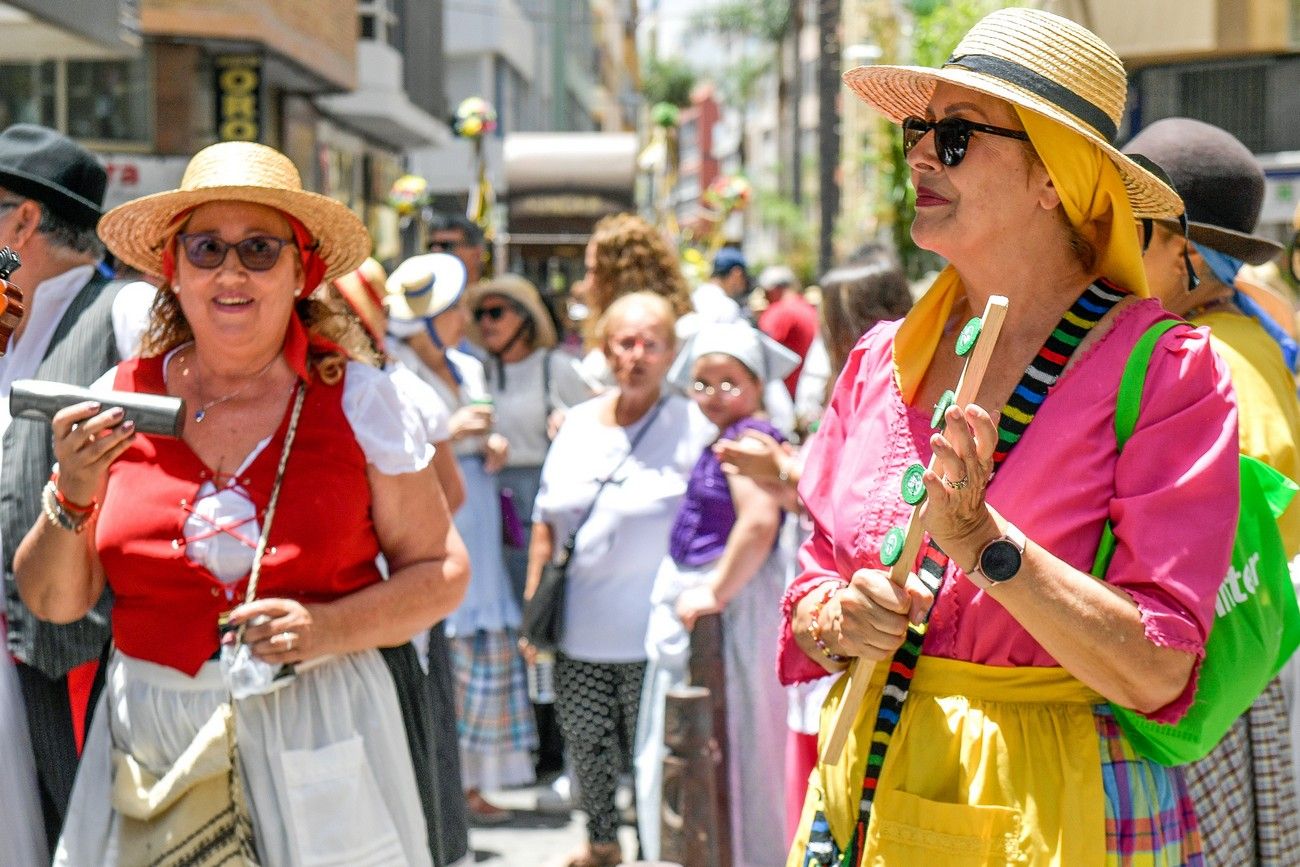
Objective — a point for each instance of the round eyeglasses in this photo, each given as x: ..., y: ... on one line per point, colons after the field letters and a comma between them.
x: 727, y: 388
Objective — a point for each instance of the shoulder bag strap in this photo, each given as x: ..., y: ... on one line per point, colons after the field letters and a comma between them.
x: 256, y: 573
x: 573, y: 537
x: 1127, y: 404
x: 546, y: 384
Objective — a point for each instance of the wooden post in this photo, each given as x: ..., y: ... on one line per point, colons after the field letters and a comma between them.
x: 690, y: 821
x: 696, y: 818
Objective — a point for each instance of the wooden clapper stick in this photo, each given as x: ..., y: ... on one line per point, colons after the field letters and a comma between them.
x: 860, y: 670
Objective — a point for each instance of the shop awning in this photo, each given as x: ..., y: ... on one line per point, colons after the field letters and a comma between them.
x: 595, y: 162
x: 51, y: 29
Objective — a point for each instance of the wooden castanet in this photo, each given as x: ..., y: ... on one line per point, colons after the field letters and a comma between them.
x: 11, y: 313
x: 860, y: 671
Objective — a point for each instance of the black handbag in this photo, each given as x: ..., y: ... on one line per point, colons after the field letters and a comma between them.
x: 543, y: 620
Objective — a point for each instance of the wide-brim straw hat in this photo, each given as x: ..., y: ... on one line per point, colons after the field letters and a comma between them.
x: 1038, y: 61
x: 521, y: 291
x: 425, y: 286
x: 138, y: 231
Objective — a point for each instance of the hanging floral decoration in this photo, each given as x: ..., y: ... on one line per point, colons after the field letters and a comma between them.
x: 409, y: 194
x: 475, y: 117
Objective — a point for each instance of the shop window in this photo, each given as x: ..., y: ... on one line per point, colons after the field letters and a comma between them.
x: 378, y: 21
x: 108, y: 100
x: 28, y: 93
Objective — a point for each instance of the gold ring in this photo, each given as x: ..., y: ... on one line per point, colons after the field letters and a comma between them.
x: 959, y: 484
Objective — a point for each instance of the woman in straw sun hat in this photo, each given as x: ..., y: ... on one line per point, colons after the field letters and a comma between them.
x: 531, y: 382
x: 262, y: 524
x: 993, y: 741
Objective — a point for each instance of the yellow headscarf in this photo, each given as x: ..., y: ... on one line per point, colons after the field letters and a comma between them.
x: 1096, y: 204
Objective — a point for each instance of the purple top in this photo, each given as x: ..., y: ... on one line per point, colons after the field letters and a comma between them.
x: 706, y: 515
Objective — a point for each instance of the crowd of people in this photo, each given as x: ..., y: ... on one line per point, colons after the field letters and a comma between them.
x: 297, y: 633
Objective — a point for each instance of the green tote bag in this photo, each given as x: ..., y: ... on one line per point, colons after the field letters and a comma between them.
x: 1257, y: 622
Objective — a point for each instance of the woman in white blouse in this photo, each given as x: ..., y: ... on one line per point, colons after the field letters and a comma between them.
x: 601, y: 663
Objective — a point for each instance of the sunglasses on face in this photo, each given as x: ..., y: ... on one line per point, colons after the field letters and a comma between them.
x: 257, y: 253
x: 951, y: 136
x: 494, y: 314
x: 447, y: 246
x: 1293, y: 260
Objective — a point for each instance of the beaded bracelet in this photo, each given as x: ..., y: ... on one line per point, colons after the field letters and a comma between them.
x: 814, y: 624
x: 56, y: 514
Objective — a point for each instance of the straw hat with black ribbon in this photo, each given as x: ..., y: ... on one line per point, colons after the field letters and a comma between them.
x: 524, y: 295
x: 1037, y: 61
x: 140, y: 231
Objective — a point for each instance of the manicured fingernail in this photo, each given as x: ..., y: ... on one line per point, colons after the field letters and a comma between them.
x: 128, y: 426
x: 117, y: 412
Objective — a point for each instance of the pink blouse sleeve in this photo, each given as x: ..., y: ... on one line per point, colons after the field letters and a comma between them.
x: 817, y: 563
x: 1174, y: 512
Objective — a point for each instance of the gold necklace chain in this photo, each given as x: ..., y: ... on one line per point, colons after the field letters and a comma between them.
x: 202, y: 412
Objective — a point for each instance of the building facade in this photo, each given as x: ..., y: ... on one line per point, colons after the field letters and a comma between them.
x: 1231, y: 63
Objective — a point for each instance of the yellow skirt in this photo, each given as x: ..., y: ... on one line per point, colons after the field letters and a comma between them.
x: 988, y: 766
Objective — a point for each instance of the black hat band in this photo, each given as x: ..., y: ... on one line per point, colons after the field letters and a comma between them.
x: 1024, y: 77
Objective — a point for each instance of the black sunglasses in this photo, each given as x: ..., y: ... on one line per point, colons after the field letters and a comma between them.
x: 447, y: 246
x: 493, y: 313
x: 257, y: 253
x: 951, y: 136
x: 1293, y: 260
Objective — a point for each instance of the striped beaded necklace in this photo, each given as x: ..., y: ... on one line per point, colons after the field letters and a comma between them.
x: 1042, y: 373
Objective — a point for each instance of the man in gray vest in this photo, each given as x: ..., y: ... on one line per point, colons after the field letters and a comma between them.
x: 51, y: 192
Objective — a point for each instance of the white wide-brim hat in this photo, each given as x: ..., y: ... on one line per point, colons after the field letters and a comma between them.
x: 1037, y: 61
x: 425, y: 286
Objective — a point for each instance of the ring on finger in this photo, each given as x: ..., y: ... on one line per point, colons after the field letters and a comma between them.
x: 959, y: 483
x: 285, y: 640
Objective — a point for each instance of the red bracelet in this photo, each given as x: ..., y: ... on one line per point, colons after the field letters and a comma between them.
x: 814, y: 624
x: 67, y: 504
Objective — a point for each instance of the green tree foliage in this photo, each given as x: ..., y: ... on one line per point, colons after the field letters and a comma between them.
x: 768, y: 20
x: 667, y: 80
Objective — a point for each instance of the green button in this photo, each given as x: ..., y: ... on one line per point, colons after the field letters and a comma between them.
x: 969, y: 334
x: 913, y: 484
x: 892, y: 547
x: 938, y: 421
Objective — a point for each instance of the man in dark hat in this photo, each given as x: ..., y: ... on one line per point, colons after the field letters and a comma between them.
x: 1244, y: 790
x: 51, y: 190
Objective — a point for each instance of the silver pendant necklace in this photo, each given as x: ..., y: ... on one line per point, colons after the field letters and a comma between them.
x: 202, y: 412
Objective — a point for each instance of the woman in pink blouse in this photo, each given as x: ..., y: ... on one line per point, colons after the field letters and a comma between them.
x: 997, y: 744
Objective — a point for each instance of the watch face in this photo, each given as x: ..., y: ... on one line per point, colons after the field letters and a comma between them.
x: 1000, y: 560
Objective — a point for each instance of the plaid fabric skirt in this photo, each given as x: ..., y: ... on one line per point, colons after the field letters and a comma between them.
x: 495, y: 719
x: 1150, y: 818
x: 1244, y: 790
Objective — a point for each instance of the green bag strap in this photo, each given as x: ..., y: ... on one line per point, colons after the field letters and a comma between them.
x: 1127, y: 404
